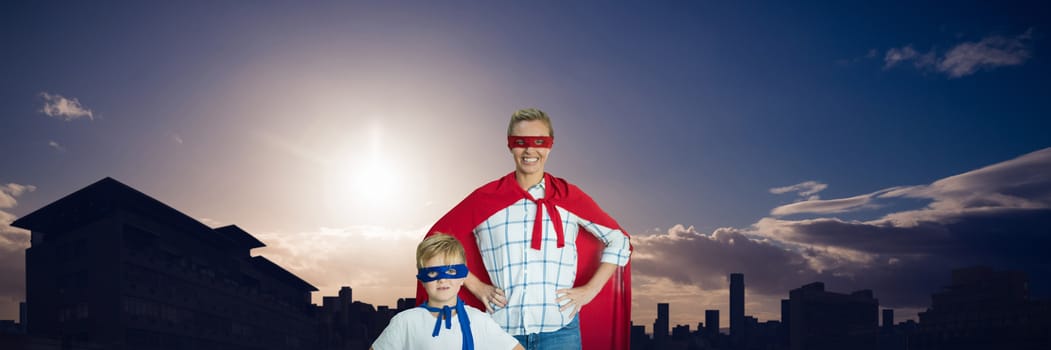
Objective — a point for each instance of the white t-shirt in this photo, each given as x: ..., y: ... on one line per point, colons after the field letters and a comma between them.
x: 412, y: 329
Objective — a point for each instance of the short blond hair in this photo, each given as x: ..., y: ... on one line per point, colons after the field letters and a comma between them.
x: 438, y: 244
x: 522, y: 115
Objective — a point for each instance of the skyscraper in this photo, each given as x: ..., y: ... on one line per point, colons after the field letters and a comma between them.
x: 825, y: 320
x: 888, y: 318
x: 23, y: 317
x: 984, y: 308
x: 711, y: 321
x: 660, y: 325
x: 737, y: 305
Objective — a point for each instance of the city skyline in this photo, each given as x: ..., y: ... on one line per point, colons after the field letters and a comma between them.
x: 864, y: 146
x: 106, y: 194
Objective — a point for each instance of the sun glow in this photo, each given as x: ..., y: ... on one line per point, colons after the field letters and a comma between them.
x: 367, y: 178
x: 376, y: 181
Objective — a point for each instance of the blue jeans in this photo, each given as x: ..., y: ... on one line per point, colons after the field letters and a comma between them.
x: 567, y: 338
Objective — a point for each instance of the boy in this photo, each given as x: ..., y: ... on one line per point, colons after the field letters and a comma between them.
x: 443, y: 321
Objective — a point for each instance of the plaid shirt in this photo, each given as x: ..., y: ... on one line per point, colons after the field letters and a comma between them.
x: 528, y: 277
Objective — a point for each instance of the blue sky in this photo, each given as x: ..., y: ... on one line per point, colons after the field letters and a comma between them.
x: 360, y: 120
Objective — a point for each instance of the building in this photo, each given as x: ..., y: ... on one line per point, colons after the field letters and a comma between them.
x: 406, y: 303
x: 888, y: 318
x: 737, y: 320
x: 639, y: 339
x: 681, y: 332
x: 345, y: 324
x: 711, y: 321
x: 660, y: 325
x: 23, y: 318
x: 826, y: 320
x: 786, y: 315
x: 985, y: 309
x: 113, y: 268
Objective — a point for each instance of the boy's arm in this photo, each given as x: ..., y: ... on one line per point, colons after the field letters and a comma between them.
x: 488, y: 294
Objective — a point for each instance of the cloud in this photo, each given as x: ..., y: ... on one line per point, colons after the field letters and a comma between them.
x: 211, y: 222
x: 813, y: 205
x: 56, y: 146
x: 177, y: 138
x: 966, y: 58
x: 60, y: 107
x: 377, y: 262
x: 905, y: 54
x: 990, y: 52
x: 689, y: 257
x: 804, y: 189
x: 996, y: 215
x: 13, y: 243
x: 9, y: 191
x: 1022, y: 183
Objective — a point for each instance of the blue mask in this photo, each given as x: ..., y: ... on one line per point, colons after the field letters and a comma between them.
x: 434, y: 273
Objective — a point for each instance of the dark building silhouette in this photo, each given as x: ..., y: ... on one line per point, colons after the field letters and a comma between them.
x: 345, y: 324
x: 786, y: 315
x: 888, y: 318
x: 406, y: 303
x: 110, y: 267
x: 681, y: 332
x: 23, y: 318
x: 763, y: 335
x: 825, y: 320
x: 985, y: 309
x: 353, y: 325
x: 899, y: 336
x: 737, y: 320
x: 711, y: 321
x: 639, y: 339
x: 660, y: 325
x: 10, y: 327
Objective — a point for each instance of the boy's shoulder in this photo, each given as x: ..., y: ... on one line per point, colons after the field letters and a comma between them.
x: 417, y: 314
x: 472, y: 311
x: 410, y: 315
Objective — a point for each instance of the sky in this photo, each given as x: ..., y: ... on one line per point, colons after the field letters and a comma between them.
x: 867, y: 146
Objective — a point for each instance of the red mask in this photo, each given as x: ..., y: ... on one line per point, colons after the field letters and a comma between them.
x: 530, y: 141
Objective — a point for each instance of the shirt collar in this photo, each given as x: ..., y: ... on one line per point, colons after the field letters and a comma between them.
x: 537, y: 191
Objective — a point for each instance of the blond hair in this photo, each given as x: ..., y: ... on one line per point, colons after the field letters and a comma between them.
x: 522, y: 115
x: 439, y: 244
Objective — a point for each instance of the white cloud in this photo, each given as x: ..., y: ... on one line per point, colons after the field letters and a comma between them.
x: 60, y: 107
x: 56, y: 146
x: 814, y: 205
x: 966, y: 58
x: 13, y: 243
x: 907, y: 53
x: 177, y: 138
x: 995, y: 215
x: 1020, y: 183
x: 896, y: 55
x: 9, y: 191
x: 804, y: 189
x: 211, y: 222
x: 990, y: 52
x: 377, y: 262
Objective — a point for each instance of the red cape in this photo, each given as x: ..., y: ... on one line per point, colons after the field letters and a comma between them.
x: 605, y: 322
